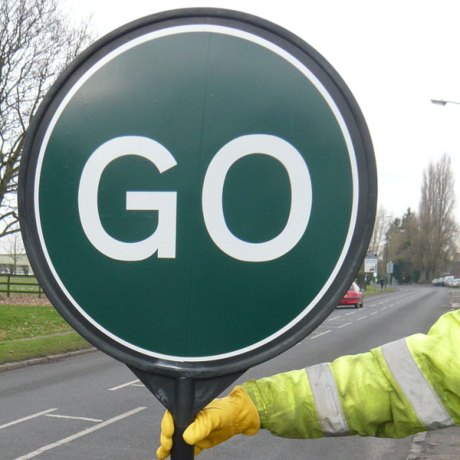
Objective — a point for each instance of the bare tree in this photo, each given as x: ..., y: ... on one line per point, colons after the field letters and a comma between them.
x: 438, y: 229
x: 36, y: 42
x: 377, y: 244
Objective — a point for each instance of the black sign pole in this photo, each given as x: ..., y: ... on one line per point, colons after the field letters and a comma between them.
x: 184, y: 397
x: 183, y: 416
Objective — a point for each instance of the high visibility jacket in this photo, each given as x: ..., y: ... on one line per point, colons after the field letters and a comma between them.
x: 396, y: 390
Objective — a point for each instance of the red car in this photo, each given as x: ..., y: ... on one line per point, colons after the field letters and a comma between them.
x: 353, y: 296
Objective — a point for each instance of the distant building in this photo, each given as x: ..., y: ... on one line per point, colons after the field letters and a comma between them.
x: 15, y: 265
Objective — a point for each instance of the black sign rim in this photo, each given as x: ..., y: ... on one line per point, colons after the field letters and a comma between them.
x: 367, y: 198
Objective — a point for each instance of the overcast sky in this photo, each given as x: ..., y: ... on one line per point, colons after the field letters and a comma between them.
x: 395, y: 56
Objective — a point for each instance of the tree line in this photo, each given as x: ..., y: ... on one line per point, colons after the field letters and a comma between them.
x: 421, y: 245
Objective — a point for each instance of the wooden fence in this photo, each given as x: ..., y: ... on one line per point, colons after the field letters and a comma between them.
x: 20, y: 284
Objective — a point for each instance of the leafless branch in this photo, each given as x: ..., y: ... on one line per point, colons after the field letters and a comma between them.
x: 37, y: 42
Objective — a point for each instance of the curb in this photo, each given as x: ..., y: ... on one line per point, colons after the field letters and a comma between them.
x: 417, y: 446
x: 46, y: 359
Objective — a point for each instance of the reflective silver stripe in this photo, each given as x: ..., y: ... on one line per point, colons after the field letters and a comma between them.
x: 413, y: 383
x: 326, y: 397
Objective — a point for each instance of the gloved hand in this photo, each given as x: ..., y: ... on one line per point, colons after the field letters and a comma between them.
x: 217, y: 422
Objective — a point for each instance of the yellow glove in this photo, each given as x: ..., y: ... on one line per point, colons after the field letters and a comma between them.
x: 167, y: 431
x: 217, y: 422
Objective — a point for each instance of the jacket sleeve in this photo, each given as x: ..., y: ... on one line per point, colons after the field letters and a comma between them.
x: 396, y: 390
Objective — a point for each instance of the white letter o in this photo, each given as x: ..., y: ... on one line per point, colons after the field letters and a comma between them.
x: 301, y: 197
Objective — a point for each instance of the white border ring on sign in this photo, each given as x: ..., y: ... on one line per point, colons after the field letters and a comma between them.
x: 337, y: 96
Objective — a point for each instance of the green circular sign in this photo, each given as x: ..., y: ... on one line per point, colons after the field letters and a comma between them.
x: 197, y: 191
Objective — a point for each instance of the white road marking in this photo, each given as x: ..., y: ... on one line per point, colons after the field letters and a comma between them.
x: 74, y: 418
x: 362, y: 317
x: 24, y: 419
x: 123, y: 385
x: 319, y: 335
x: 64, y: 441
x: 335, y: 317
x: 351, y: 313
x: 373, y: 313
x: 344, y: 325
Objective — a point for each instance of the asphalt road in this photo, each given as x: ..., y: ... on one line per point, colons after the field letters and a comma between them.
x: 92, y: 407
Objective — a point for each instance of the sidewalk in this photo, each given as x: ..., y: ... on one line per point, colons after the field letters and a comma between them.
x: 436, y: 445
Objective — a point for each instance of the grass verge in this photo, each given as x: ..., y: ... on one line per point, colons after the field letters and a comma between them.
x: 32, y: 332
x: 20, y: 350
x: 374, y: 290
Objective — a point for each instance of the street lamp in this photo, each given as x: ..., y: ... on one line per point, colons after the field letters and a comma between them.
x: 443, y: 102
